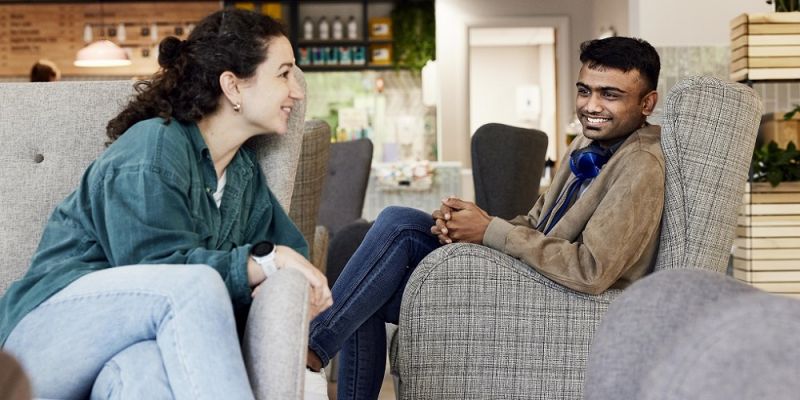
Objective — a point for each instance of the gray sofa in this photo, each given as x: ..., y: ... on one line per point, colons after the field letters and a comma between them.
x: 476, y: 323
x: 50, y: 132
x: 690, y: 334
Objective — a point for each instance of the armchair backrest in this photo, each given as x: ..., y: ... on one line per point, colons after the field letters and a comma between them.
x: 52, y: 131
x: 346, y: 184
x: 507, y: 164
x: 708, y: 132
x: 311, y: 173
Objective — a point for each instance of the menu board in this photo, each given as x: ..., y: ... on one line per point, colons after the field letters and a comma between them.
x: 29, y: 32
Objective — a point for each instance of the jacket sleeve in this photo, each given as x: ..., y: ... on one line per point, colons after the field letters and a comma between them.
x: 280, y: 229
x: 615, y: 237
x: 143, y: 216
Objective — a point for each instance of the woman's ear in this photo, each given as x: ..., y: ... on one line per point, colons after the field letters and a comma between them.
x: 230, y: 87
x: 649, y: 103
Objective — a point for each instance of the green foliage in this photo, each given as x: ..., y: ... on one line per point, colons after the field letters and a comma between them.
x: 785, y: 5
x: 414, y: 33
x: 775, y: 165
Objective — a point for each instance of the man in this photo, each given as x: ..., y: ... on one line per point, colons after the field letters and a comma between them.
x: 595, y: 229
x: 609, y: 237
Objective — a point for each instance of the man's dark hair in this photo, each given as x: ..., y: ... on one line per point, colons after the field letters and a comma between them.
x: 623, y: 53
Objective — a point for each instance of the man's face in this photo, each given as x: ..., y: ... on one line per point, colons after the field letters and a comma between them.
x: 611, y: 104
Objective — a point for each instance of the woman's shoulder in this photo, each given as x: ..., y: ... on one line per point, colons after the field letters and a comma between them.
x: 153, y: 142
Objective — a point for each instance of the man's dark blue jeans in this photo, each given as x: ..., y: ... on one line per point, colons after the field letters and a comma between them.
x: 367, y: 295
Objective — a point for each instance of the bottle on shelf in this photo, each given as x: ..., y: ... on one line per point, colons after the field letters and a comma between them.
x: 324, y: 29
x: 308, y: 29
x: 337, y: 28
x: 352, y: 28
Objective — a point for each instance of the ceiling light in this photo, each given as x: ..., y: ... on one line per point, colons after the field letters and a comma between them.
x: 102, y: 53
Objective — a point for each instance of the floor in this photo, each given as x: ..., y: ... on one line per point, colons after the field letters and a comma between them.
x: 387, y: 390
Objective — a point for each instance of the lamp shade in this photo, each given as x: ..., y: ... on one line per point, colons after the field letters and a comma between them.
x: 102, y: 53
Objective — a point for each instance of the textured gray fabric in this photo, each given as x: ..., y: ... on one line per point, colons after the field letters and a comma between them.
x: 475, y: 323
x: 346, y: 184
x: 62, y: 126
x: 507, y: 164
x: 308, y: 183
x: 52, y: 131
x: 690, y: 334
x: 267, y: 340
x: 708, y: 134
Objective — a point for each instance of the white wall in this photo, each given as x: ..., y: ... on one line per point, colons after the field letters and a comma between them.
x: 453, y: 17
x: 607, y: 13
x: 495, y: 73
x: 688, y: 22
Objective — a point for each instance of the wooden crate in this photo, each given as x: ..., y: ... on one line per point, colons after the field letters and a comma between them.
x: 767, y: 246
x: 765, y: 46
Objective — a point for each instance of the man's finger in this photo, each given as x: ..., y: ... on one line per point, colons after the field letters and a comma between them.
x: 456, y: 203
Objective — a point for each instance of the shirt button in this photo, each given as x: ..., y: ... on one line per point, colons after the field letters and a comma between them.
x: 208, y: 189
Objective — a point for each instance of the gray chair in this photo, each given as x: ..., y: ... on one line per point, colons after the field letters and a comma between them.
x: 343, y: 202
x: 507, y: 164
x: 346, y: 184
x: 52, y: 131
x: 690, y: 334
x: 476, y: 323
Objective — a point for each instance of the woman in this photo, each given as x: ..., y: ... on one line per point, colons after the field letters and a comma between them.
x: 140, y: 273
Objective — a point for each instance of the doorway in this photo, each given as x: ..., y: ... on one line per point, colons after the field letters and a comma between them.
x: 517, y: 75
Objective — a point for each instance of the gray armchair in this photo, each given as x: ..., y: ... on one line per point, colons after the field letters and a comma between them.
x: 52, y: 131
x: 693, y: 334
x: 507, y: 165
x: 476, y: 323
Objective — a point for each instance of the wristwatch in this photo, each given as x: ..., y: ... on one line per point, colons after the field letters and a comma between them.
x: 263, y: 253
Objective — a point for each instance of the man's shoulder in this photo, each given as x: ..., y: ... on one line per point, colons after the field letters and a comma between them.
x: 648, y: 140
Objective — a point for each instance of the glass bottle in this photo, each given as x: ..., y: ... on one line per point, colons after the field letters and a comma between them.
x: 352, y: 28
x: 337, y: 28
x: 308, y: 29
x: 324, y: 29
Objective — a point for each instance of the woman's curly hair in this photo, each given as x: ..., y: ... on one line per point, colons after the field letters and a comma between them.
x: 187, y: 85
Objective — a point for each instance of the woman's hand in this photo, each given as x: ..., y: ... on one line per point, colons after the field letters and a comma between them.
x: 320, y: 296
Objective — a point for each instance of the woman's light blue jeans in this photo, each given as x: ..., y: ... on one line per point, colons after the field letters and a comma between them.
x: 368, y: 294
x: 144, y: 331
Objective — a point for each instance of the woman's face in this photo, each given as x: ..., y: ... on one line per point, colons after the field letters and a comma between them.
x: 269, y: 96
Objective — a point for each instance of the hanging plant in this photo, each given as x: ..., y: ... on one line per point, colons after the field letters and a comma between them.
x: 785, y: 5
x: 414, y: 32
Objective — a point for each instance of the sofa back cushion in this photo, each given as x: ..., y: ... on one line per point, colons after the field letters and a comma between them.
x: 51, y: 132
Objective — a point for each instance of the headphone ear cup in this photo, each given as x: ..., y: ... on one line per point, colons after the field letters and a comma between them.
x: 586, y: 163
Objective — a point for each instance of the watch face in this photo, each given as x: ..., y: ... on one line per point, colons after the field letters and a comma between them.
x: 262, y: 248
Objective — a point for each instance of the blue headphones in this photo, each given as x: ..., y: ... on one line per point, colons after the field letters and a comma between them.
x: 585, y: 163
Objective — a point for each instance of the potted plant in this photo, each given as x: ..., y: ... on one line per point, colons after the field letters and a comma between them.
x: 785, y: 5
x: 414, y: 32
x: 767, y: 248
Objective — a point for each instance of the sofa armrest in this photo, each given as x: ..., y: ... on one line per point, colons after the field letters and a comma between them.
x: 477, y: 323
x: 276, y: 337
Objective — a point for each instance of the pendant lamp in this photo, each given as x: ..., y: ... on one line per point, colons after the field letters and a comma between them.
x: 101, y: 53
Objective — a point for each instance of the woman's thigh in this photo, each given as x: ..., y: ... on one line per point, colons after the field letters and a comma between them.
x: 64, y: 343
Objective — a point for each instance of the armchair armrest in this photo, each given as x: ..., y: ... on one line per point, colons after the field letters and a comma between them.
x: 276, y: 337
x: 475, y: 323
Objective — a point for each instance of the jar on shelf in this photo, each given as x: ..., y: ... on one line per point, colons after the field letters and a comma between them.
x: 308, y: 29
x: 352, y: 28
x: 324, y: 29
x: 337, y: 28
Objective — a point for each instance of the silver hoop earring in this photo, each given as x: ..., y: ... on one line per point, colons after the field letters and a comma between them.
x: 237, y: 107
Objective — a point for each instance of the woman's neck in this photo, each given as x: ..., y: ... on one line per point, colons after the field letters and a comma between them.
x: 222, y: 140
